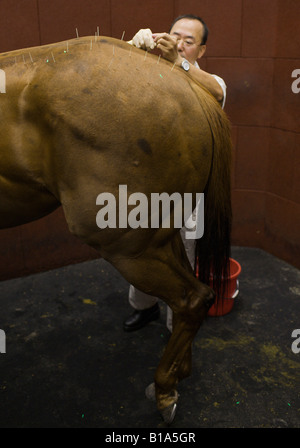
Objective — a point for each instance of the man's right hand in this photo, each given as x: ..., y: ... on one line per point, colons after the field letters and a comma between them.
x: 143, y: 39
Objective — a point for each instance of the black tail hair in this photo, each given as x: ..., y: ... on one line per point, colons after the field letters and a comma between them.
x: 213, y: 249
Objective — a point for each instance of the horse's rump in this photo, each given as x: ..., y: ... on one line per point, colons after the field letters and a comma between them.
x: 134, y: 115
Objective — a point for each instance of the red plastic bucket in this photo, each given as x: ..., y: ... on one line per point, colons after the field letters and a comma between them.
x: 224, y: 306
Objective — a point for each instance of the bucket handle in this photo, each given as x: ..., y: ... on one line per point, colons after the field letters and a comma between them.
x: 237, y: 290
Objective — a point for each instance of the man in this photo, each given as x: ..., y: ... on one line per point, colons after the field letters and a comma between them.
x: 185, y: 43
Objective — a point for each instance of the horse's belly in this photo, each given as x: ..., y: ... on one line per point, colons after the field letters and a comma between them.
x: 20, y: 204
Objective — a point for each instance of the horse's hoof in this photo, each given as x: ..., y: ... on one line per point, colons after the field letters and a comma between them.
x: 168, y: 413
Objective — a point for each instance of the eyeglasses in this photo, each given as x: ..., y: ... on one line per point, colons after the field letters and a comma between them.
x: 187, y: 42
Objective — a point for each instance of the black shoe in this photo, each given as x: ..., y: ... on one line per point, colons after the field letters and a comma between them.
x: 140, y: 318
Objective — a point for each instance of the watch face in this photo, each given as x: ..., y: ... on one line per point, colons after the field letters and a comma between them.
x: 185, y: 65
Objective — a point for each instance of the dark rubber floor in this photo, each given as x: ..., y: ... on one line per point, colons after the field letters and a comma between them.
x: 68, y: 362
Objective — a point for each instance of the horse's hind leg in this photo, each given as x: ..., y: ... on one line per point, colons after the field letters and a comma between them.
x: 175, y: 364
x: 185, y: 369
x: 162, y: 274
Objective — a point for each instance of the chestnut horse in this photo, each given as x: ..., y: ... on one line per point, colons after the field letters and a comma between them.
x: 82, y: 117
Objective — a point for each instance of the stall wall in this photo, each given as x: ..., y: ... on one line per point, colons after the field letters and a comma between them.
x: 254, y: 46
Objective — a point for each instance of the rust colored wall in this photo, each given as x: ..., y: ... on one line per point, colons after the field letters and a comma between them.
x: 254, y: 46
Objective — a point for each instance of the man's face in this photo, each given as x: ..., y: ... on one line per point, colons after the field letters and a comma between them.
x: 189, y: 32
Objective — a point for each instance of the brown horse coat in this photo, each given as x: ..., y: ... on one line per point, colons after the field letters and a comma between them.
x: 82, y: 117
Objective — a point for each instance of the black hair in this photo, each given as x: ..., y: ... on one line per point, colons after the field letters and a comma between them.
x: 193, y: 17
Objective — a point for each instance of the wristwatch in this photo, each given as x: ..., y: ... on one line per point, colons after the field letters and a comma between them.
x: 185, y: 65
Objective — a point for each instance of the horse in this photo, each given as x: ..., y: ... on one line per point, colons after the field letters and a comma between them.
x: 79, y: 118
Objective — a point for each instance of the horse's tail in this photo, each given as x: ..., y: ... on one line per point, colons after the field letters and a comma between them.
x: 213, y: 249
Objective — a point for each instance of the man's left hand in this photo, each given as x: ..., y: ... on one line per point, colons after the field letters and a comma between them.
x: 168, y: 46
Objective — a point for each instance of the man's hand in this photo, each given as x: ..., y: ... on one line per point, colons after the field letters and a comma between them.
x: 167, y: 44
x: 143, y: 39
